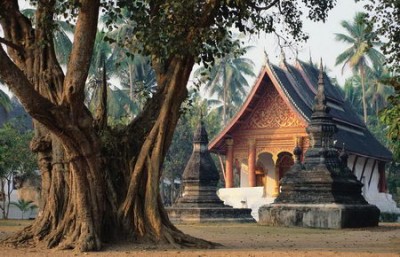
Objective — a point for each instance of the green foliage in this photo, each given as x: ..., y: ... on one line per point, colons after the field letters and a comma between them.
x: 227, y: 80
x: 362, y: 38
x: 134, y: 70
x: 15, y: 155
x: 391, y: 117
x: 385, y: 13
x: 24, y: 206
x: 378, y: 91
x: 15, y: 158
x: 353, y: 94
x: 202, y: 28
x: 5, y: 101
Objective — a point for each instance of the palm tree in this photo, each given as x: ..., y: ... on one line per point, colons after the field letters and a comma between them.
x: 24, y: 206
x: 353, y: 94
x: 135, y: 71
x: 227, y: 80
x: 378, y: 92
x: 101, y: 58
x: 138, y: 79
x: 361, y: 38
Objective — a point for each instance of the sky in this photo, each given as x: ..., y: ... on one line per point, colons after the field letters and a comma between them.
x: 321, y: 42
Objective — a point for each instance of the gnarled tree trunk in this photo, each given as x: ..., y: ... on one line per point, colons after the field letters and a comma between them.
x: 98, y: 184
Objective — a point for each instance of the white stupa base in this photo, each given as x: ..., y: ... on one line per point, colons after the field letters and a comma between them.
x: 245, y: 197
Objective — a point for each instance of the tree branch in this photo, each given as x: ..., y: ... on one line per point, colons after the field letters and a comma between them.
x: 19, y: 48
x: 259, y: 8
x: 81, y: 54
x: 39, y: 107
x: 101, y: 111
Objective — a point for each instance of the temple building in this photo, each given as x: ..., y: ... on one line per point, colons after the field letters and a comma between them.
x: 259, y: 140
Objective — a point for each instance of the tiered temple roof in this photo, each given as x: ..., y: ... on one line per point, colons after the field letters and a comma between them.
x: 296, y: 84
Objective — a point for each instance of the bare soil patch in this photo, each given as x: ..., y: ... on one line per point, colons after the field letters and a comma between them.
x: 244, y: 240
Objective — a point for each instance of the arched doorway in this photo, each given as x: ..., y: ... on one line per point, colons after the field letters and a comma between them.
x: 284, y: 162
x: 264, y: 168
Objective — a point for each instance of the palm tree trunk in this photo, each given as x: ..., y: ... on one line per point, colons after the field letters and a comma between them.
x: 130, y: 71
x: 224, y: 106
x: 364, y: 101
x: 2, y: 191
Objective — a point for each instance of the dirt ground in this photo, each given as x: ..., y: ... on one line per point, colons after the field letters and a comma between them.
x: 249, y: 240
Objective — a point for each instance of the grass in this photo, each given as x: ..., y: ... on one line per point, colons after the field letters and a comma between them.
x: 15, y: 223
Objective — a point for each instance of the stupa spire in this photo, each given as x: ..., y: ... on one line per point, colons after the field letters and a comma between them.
x: 320, y: 98
x: 200, y: 134
x: 321, y: 128
x: 199, y: 201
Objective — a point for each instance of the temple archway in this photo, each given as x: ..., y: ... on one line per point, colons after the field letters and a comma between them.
x: 283, y: 164
x: 265, y: 162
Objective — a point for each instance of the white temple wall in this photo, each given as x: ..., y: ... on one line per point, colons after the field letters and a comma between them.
x: 370, y: 190
x: 252, y: 197
x: 359, y: 167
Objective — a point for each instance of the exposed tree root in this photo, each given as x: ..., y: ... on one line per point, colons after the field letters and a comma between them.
x: 180, y: 240
x: 24, y: 237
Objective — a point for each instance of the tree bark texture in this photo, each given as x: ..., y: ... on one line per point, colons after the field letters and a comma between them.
x: 98, y: 184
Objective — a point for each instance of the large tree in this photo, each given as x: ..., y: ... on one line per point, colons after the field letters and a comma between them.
x: 100, y: 183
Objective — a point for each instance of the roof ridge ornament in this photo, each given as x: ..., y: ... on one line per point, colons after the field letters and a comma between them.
x: 320, y: 98
x: 266, y: 57
x: 283, y: 58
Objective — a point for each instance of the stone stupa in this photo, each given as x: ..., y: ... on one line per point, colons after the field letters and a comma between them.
x: 199, y: 202
x: 321, y: 192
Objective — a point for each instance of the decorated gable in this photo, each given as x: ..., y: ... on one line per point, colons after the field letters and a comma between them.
x: 272, y: 112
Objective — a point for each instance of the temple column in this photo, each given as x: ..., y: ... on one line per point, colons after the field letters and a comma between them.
x: 275, y: 192
x: 229, y: 163
x: 252, y: 162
